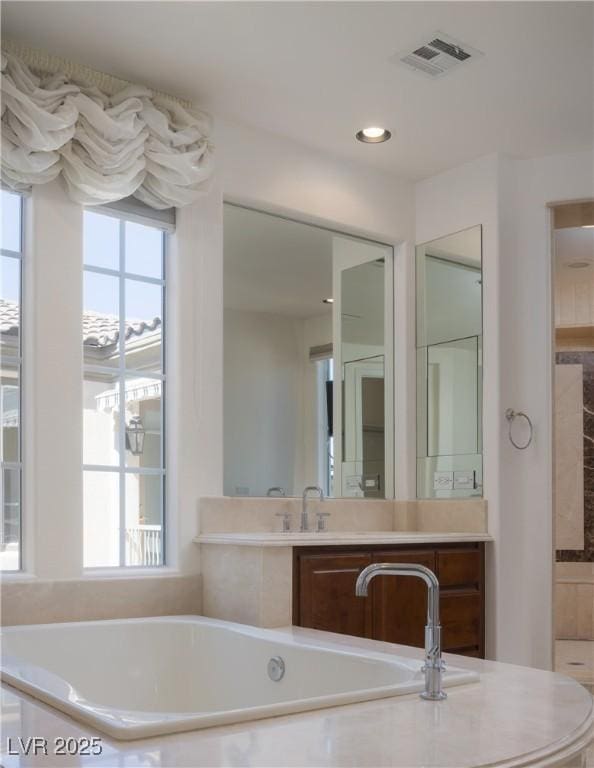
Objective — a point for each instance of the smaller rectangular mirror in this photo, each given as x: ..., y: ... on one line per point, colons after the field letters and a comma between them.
x: 449, y: 366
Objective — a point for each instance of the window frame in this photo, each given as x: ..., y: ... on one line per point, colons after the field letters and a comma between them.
x: 17, y: 362
x: 124, y: 374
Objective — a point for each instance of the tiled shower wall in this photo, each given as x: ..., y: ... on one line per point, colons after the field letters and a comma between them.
x: 575, y: 566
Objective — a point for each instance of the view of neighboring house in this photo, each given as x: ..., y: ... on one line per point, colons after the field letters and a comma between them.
x: 117, y: 418
x: 9, y: 414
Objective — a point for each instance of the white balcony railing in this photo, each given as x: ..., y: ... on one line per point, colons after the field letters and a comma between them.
x: 144, y: 545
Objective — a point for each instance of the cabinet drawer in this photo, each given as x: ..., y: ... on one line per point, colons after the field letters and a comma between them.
x: 461, y: 620
x: 459, y: 568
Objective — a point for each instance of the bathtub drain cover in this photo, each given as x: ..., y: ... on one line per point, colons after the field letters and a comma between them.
x: 276, y: 668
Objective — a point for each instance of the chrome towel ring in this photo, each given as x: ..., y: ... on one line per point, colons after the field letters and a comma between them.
x: 511, y: 415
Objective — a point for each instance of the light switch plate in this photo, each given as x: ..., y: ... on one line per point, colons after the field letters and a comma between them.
x: 371, y: 482
x: 443, y: 481
x: 465, y: 480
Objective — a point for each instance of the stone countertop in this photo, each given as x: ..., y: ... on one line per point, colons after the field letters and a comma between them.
x: 337, y: 538
x: 515, y: 716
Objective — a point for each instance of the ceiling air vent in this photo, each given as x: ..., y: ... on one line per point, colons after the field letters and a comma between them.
x: 438, y: 55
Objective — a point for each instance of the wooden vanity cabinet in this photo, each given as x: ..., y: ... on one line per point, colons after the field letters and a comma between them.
x: 396, y: 608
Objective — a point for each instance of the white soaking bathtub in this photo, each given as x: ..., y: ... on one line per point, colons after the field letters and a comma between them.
x: 133, y: 678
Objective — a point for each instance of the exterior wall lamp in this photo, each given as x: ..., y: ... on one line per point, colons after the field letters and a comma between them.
x: 135, y: 434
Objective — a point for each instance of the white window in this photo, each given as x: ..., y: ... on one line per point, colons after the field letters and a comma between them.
x: 123, y: 329
x: 11, y: 242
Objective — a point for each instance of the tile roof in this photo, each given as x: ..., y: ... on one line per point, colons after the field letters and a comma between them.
x: 9, y: 317
x: 98, y: 330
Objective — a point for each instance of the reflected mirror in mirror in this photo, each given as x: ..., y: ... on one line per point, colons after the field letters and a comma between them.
x: 449, y: 366
x: 305, y: 387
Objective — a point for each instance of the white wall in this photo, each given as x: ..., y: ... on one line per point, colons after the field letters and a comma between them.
x: 195, y: 365
x: 526, y: 528
x: 52, y: 381
x: 509, y: 198
x: 266, y: 170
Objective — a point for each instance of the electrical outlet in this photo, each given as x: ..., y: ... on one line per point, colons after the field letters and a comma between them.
x: 465, y: 480
x: 443, y: 481
x: 371, y: 482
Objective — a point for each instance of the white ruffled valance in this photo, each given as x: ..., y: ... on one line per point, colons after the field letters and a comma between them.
x: 107, y: 147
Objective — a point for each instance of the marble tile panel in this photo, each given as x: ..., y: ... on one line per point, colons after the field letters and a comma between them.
x: 569, y: 457
x: 582, y: 572
x: 575, y: 658
x: 566, y: 611
x: 276, y: 600
x: 586, y: 360
x: 452, y: 515
x: 42, y: 602
x: 232, y: 583
x: 585, y: 611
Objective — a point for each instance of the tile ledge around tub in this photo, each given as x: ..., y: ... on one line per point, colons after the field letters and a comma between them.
x: 549, y: 721
x: 296, y: 539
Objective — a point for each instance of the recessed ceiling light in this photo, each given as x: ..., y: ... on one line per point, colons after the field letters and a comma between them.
x: 373, y: 135
x: 328, y: 301
x: 578, y: 264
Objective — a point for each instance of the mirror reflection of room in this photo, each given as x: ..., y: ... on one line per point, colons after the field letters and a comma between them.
x: 302, y: 303
x: 449, y: 366
x: 362, y: 321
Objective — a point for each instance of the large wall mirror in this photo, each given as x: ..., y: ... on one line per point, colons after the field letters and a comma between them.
x: 308, y: 384
x: 449, y: 366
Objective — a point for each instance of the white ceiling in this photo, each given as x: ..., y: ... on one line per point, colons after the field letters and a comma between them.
x: 275, y: 265
x: 317, y: 72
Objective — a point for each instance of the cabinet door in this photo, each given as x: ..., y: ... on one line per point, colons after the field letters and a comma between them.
x: 327, y: 597
x: 400, y: 602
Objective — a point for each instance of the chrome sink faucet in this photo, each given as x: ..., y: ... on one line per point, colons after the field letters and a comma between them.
x: 434, y: 666
x: 304, y: 517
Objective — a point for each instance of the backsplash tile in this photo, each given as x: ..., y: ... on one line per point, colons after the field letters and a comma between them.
x: 46, y: 602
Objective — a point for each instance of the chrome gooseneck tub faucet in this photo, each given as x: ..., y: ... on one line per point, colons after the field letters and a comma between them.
x: 306, y: 491
x: 434, y: 666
